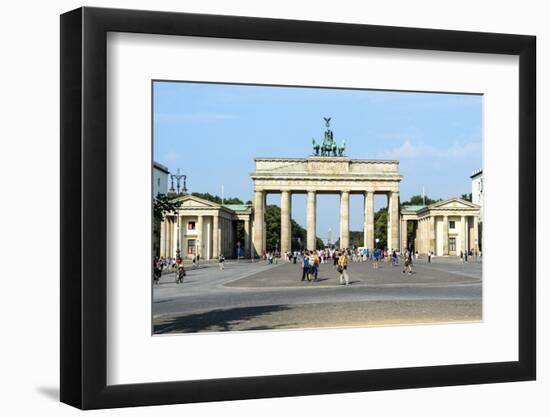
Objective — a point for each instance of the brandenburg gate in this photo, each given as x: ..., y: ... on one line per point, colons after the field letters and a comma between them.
x: 327, y: 171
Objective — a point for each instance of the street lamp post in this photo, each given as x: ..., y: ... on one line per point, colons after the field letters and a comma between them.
x: 178, y: 177
x: 180, y: 188
x: 178, y: 227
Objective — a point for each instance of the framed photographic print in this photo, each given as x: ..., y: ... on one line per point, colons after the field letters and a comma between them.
x: 291, y: 208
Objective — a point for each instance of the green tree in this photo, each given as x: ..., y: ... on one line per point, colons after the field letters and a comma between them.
x: 272, y: 227
x: 217, y: 199
x: 381, y: 227
x: 273, y: 231
x: 418, y: 200
x: 299, y: 236
x: 355, y: 239
x: 163, y: 205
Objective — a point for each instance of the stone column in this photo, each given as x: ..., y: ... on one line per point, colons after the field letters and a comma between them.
x: 227, y: 250
x: 476, y: 234
x: 285, y: 221
x: 432, y: 234
x: 393, y: 227
x: 464, y: 240
x: 232, y: 243
x: 403, y: 237
x: 172, y: 238
x: 344, y: 219
x: 420, y: 248
x: 246, y: 237
x: 162, y: 233
x: 215, y: 236
x: 264, y: 244
x: 311, y: 218
x: 368, y: 228
x: 178, y: 240
x: 426, y: 235
x: 258, y: 238
x: 445, y: 235
x: 199, y: 244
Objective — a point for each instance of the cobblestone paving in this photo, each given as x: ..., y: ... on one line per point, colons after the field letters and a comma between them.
x: 258, y: 296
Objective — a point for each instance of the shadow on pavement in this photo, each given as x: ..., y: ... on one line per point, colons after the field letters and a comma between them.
x: 217, y: 320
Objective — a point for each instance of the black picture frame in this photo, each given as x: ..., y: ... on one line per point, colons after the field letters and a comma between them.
x: 84, y: 207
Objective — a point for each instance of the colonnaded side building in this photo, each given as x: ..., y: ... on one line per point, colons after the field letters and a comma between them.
x: 445, y: 228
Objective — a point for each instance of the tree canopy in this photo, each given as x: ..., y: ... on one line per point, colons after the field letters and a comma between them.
x: 163, y: 205
x: 273, y: 231
x: 217, y: 199
x: 418, y: 200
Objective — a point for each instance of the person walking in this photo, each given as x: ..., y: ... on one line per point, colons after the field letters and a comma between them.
x: 305, y: 267
x: 408, y: 262
x: 342, y: 269
x: 221, y: 261
x: 335, y: 258
x: 394, y: 258
x: 376, y: 258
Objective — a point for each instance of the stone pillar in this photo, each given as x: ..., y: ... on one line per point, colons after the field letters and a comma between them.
x: 393, y: 220
x: 426, y: 235
x: 227, y: 238
x: 368, y: 228
x: 285, y: 221
x: 445, y: 235
x: 311, y: 218
x: 344, y: 219
x: 258, y: 238
x: 199, y: 244
x: 420, y: 248
x: 476, y: 234
x: 222, y: 236
x: 403, y: 237
x: 215, y: 236
x: 171, y: 238
x: 432, y: 234
x: 232, y: 242
x: 246, y: 242
x: 162, y: 233
x: 264, y: 244
x: 178, y: 243
x: 464, y: 240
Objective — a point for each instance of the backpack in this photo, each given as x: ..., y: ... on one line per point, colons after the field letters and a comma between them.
x: 306, y: 262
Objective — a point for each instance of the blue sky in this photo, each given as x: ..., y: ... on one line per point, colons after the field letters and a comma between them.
x: 213, y: 132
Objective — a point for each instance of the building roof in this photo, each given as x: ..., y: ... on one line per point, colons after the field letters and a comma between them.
x: 412, y: 208
x: 237, y: 207
x: 476, y: 173
x: 445, y: 204
x: 160, y: 167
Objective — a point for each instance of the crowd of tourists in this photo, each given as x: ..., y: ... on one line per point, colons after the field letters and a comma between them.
x: 310, y: 260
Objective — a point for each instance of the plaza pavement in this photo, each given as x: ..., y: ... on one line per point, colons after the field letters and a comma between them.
x: 258, y: 296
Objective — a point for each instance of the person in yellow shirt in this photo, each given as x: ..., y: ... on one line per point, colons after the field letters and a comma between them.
x: 342, y: 268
